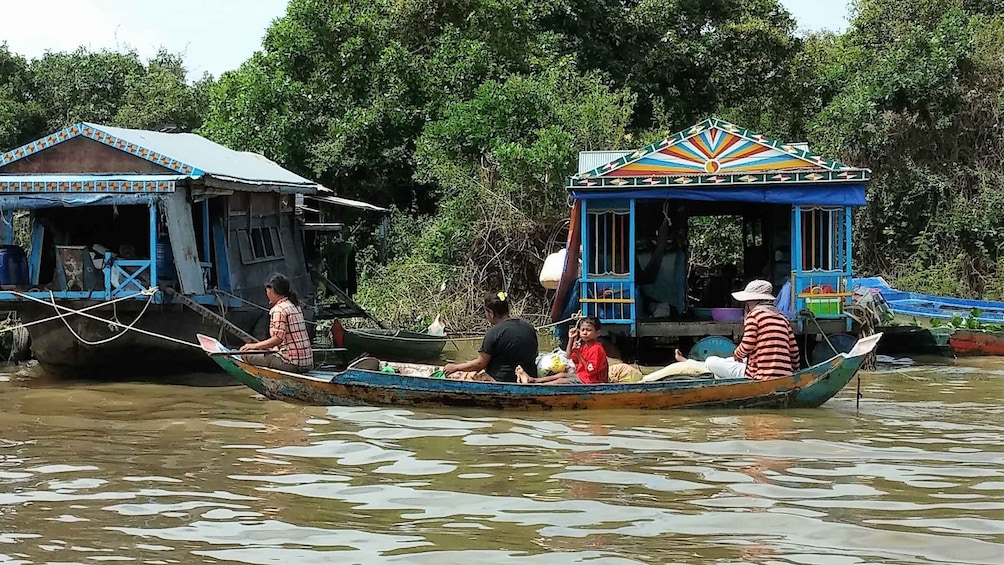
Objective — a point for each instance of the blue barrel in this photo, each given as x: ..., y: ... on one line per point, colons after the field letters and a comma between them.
x: 716, y: 345
x: 13, y: 266
x: 165, y: 259
x: 838, y: 343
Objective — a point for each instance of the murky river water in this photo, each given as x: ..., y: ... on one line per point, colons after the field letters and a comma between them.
x: 150, y: 473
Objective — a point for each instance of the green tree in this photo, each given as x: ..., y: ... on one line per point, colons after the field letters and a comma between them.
x: 160, y: 98
x: 918, y: 98
x: 20, y: 117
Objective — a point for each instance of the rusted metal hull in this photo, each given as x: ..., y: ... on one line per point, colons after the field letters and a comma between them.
x: 971, y: 343
x: 806, y: 389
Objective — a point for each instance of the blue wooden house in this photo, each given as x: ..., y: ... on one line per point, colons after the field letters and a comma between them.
x: 632, y: 210
x: 131, y: 234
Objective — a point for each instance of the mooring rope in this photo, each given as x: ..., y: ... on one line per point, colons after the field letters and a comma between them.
x: 20, y: 325
x: 111, y: 323
x: 150, y: 291
x: 262, y: 308
x: 431, y: 337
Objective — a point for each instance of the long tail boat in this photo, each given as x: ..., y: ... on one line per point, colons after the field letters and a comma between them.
x: 417, y: 387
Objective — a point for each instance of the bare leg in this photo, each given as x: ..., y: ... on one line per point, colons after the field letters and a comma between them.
x: 551, y: 379
x: 521, y: 375
x: 679, y: 357
x: 524, y: 378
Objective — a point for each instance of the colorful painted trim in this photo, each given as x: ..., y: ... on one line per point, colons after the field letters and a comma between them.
x: 713, y: 147
x: 32, y: 185
x: 851, y: 175
x: 96, y: 134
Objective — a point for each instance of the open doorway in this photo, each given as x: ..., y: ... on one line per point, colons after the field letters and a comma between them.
x: 692, y: 255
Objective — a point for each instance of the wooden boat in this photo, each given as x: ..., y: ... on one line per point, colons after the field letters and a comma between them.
x: 960, y: 342
x: 929, y: 306
x: 356, y: 386
x: 400, y: 345
x: 915, y: 341
x: 971, y: 343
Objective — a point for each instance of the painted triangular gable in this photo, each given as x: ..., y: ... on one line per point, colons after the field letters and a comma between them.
x: 91, y: 131
x: 713, y: 147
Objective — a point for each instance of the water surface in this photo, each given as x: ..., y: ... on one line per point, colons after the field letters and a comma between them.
x: 147, y: 473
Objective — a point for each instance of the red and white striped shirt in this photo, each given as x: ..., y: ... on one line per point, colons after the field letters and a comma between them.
x: 768, y: 344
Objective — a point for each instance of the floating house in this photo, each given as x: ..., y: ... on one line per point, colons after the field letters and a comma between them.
x: 633, y: 213
x: 133, y: 241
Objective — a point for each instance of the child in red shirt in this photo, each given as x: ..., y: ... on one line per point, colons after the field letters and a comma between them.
x: 586, y: 351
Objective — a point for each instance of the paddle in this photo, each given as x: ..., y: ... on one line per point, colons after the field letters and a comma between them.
x: 235, y: 352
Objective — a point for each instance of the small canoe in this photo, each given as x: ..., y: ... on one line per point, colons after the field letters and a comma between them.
x: 807, y: 388
x: 400, y: 345
x: 971, y: 343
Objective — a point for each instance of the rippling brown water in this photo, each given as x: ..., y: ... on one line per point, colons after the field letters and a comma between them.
x: 156, y: 474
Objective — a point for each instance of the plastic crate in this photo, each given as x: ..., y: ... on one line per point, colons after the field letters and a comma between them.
x: 824, y: 306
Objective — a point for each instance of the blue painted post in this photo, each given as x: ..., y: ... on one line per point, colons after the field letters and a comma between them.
x: 796, y: 255
x: 35, y: 256
x: 848, y: 265
x: 586, y: 258
x: 7, y: 230
x: 205, y: 230
x: 631, y: 271
x: 153, y: 246
x: 847, y: 237
x: 222, y: 261
x: 107, y: 270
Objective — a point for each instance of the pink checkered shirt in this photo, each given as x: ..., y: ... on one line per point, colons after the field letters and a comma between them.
x: 286, y: 322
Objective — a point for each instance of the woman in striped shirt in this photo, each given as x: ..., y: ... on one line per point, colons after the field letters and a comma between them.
x: 768, y: 347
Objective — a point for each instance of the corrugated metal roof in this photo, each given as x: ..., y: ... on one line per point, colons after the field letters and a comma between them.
x: 210, y: 158
x: 589, y: 160
x: 339, y: 201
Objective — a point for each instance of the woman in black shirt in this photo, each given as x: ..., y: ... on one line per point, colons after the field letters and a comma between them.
x: 509, y: 343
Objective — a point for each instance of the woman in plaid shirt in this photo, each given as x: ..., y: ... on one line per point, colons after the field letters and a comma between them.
x: 287, y: 330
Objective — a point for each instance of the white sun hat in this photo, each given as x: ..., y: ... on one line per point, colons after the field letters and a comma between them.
x: 755, y: 290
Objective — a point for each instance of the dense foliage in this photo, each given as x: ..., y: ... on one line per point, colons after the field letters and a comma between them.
x: 465, y: 117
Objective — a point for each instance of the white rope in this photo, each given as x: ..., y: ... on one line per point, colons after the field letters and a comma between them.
x: 152, y: 290
x: 111, y: 323
x: 449, y: 338
x: 263, y: 309
x: 248, y: 302
x: 20, y: 326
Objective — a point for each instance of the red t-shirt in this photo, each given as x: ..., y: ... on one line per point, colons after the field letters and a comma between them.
x: 591, y: 363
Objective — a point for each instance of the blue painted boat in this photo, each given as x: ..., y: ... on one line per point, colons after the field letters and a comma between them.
x: 807, y: 388
x: 928, y: 306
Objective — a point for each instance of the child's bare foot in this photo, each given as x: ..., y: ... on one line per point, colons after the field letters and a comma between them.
x: 521, y: 375
x: 679, y: 357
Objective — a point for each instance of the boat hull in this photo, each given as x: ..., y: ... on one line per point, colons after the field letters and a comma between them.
x: 806, y: 389
x: 971, y: 343
x: 399, y: 345
x: 915, y: 341
x: 59, y: 352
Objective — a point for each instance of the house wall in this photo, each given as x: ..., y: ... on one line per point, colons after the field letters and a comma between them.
x: 248, y: 276
x: 82, y: 155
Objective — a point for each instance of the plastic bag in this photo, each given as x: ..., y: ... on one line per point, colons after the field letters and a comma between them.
x: 554, y: 362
